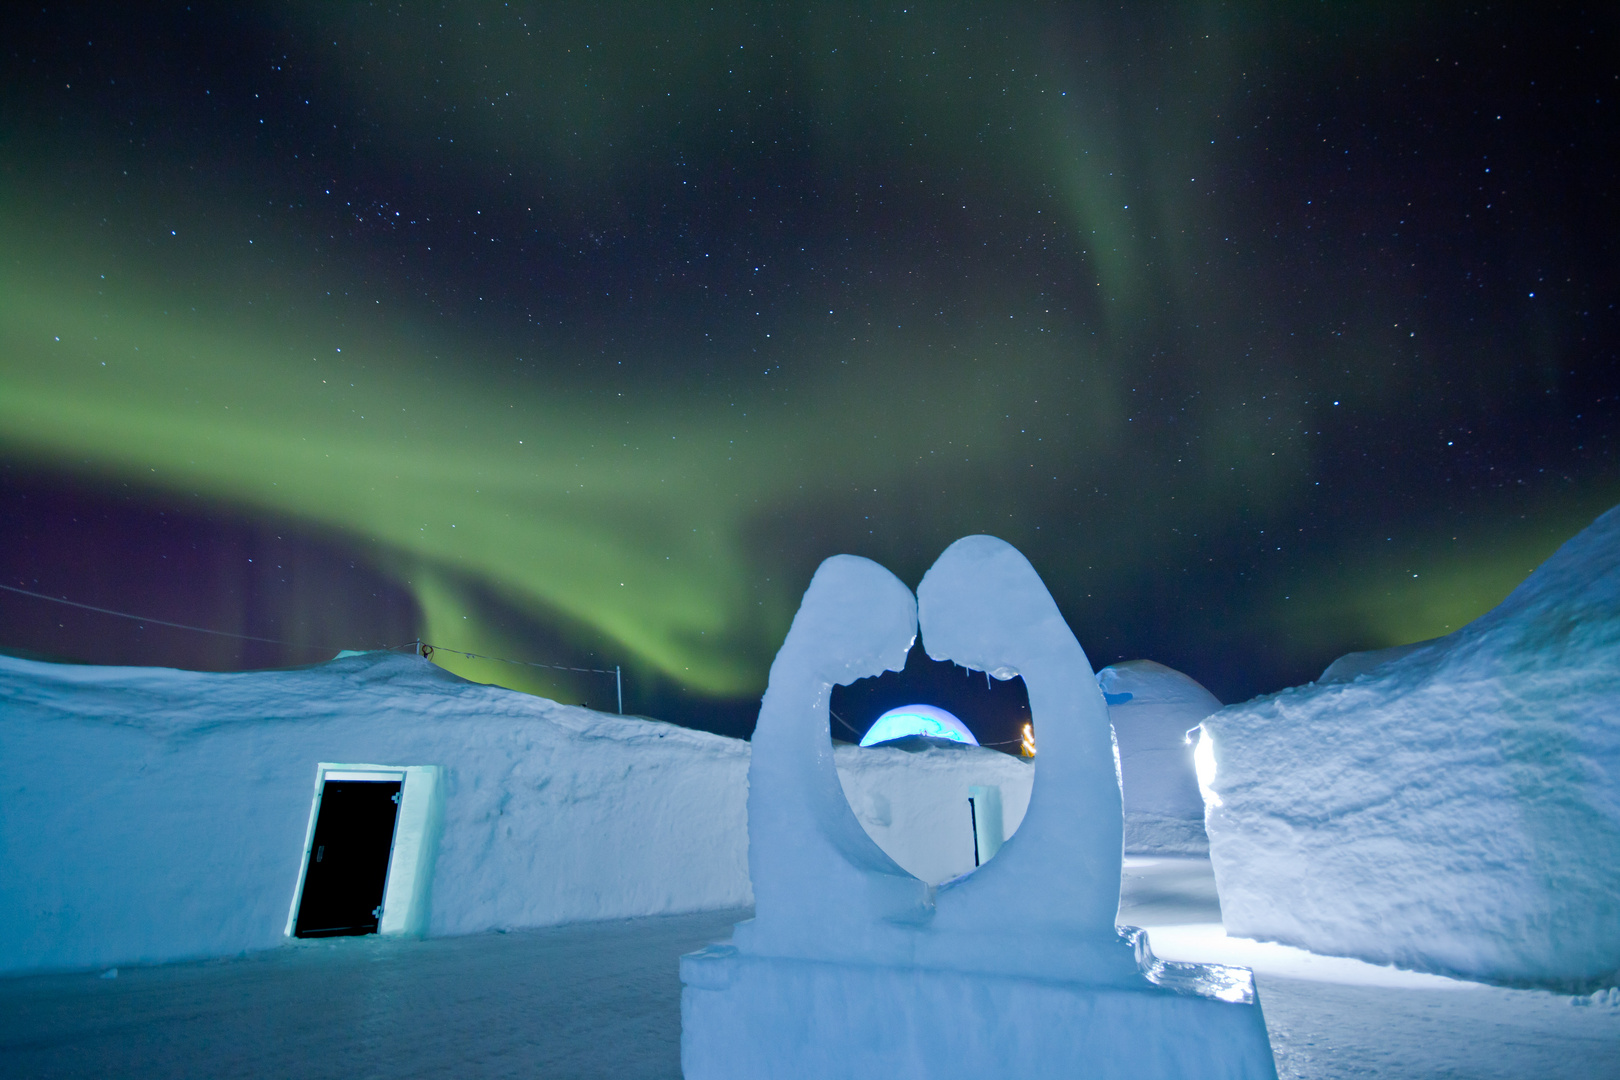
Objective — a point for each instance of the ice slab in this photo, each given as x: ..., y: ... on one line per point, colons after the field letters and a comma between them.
x: 1152, y: 707
x: 1209, y: 943
x: 853, y: 967
x: 754, y: 1016
x: 1454, y: 807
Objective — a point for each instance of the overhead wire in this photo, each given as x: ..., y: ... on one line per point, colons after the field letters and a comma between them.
x: 157, y: 622
x: 416, y: 644
x: 291, y: 644
x: 846, y: 723
x: 521, y: 663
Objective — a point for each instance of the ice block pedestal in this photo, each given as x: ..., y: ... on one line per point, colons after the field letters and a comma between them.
x: 853, y: 968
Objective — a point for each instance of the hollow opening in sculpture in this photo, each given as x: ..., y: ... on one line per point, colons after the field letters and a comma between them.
x: 995, y: 712
x: 938, y: 805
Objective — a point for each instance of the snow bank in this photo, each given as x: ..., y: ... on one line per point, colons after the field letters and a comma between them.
x: 1152, y: 707
x: 1453, y: 807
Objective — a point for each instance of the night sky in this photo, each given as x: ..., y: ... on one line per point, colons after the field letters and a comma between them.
x: 581, y: 333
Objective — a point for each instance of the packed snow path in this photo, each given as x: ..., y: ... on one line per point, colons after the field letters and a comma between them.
x: 603, y: 1000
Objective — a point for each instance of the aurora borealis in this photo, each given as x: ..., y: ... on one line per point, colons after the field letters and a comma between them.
x: 582, y: 333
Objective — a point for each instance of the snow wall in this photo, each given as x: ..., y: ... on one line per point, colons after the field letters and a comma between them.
x: 1453, y: 807
x: 148, y: 814
x: 1152, y: 707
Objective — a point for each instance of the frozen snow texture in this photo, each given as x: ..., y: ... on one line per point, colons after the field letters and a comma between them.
x: 983, y: 606
x: 853, y: 967
x: 149, y: 814
x: 1152, y: 707
x: 752, y: 1016
x: 1452, y: 808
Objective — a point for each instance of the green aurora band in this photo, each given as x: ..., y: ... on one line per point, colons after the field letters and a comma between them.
x: 630, y: 517
x: 670, y: 519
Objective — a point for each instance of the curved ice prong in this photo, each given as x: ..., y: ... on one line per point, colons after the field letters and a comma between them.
x: 856, y: 620
x: 983, y: 606
x: 816, y: 873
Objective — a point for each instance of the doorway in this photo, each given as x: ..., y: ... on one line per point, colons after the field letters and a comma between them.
x: 347, y: 871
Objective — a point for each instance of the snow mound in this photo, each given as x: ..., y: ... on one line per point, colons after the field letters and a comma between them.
x: 1452, y: 808
x: 1152, y: 707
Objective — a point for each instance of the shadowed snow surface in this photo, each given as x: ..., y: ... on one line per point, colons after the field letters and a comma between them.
x: 603, y: 1000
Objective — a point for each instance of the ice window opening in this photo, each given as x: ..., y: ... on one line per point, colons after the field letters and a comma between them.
x: 991, y: 712
x: 920, y: 783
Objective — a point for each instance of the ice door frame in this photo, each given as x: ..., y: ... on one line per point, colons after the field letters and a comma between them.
x: 409, y: 887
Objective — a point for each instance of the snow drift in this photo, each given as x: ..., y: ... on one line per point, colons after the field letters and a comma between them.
x: 1152, y: 707
x: 1453, y: 807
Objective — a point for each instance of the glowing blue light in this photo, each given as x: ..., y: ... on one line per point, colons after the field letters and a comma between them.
x: 918, y: 720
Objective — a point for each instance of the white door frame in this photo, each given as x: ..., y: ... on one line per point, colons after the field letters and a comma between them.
x: 417, y: 825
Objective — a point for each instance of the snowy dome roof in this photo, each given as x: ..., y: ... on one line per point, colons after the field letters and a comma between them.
x: 918, y: 720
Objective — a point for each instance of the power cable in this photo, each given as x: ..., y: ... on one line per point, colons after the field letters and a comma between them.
x: 617, y: 672
x: 159, y: 622
x: 296, y: 645
x: 841, y: 720
x: 520, y: 663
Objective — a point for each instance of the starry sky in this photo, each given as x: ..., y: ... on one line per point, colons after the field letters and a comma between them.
x: 580, y: 333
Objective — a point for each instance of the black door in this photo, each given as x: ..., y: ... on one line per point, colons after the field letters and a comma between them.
x: 348, y: 862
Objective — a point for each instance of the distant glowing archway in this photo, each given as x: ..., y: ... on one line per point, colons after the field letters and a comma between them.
x: 918, y: 720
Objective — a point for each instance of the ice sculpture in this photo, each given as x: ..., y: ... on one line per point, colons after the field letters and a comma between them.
x: 851, y: 967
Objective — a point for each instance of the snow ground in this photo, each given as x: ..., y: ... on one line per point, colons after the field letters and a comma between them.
x: 1335, y: 1017
x: 603, y: 1000
x: 586, y: 1000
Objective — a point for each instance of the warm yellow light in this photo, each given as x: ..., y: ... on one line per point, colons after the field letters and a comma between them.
x: 1027, y: 746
